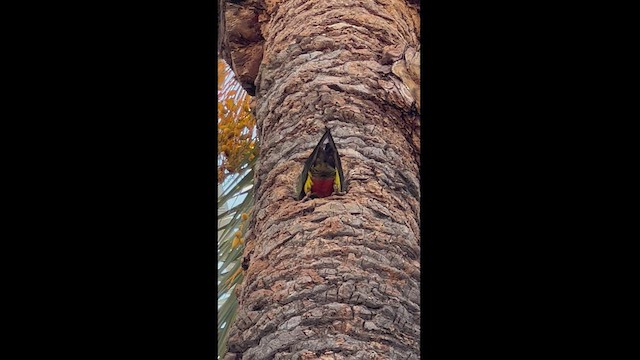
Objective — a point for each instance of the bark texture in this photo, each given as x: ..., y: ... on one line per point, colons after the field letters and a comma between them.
x: 337, y: 277
x: 240, y: 41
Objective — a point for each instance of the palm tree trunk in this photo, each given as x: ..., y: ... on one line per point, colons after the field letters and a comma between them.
x: 335, y: 277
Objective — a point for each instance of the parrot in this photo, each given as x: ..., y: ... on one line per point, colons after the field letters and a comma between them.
x: 322, y: 173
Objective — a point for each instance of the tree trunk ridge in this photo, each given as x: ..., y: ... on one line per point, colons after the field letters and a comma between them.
x: 336, y: 277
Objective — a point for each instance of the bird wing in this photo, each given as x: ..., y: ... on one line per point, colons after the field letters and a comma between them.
x: 341, y: 185
x: 304, y: 176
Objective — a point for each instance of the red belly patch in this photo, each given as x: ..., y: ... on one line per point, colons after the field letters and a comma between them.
x: 322, y: 187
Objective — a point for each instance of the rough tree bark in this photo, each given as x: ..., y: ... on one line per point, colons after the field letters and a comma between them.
x: 336, y: 277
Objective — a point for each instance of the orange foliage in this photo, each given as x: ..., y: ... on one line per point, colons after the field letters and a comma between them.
x: 236, y: 125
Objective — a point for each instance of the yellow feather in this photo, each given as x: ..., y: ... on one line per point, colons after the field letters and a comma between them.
x: 308, y: 183
x: 336, y: 183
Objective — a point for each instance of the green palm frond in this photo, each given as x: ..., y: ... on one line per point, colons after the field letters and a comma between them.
x: 235, y: 198
x: 229, y: 258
